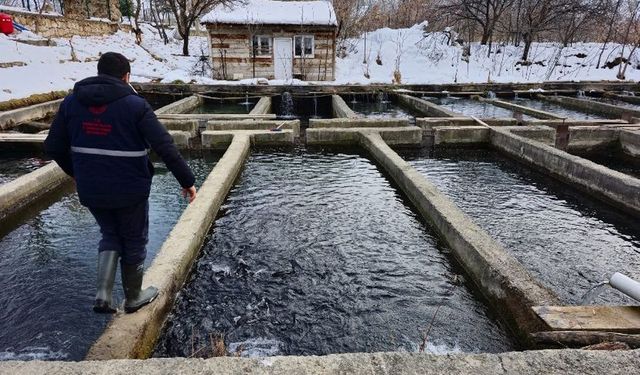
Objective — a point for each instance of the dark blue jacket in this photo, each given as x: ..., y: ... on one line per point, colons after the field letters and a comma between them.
x: 100, y: 136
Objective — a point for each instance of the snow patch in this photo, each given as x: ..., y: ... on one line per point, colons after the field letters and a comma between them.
x: 274, y: 12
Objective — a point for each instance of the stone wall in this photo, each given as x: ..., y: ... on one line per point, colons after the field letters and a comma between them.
x: 55, y: 26
x: 81, y: 9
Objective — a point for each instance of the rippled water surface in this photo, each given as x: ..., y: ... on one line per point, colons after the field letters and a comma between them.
x: 470, y: 107
x: 316, y: 253
x: 566, y: 239
x: 382, y: 109
x: 48, y: 272
x: 614, y: 158
x: 619, y: 103
x: 557, y: 109
x: 15, y: 164
x: 226, y: 106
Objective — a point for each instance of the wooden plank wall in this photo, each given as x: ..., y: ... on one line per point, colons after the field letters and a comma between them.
x: 231, y: 51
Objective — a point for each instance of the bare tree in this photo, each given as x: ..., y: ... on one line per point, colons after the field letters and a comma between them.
x: 631, y: 36
x: 484, y: 13
x: 187, y: 13
x: 539, y: 16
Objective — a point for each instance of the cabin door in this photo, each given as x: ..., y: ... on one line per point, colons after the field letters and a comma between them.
x: 283, y: 58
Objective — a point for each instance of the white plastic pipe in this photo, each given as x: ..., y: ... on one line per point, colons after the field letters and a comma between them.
x: 626, y: 285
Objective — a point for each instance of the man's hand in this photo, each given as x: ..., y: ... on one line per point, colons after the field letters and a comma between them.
x: 189, y: 192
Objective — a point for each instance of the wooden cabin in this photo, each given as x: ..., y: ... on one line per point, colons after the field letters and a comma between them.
x: 273, y: 40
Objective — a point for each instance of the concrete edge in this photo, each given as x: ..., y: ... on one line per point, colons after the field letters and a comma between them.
x: 426, y: 107
x: 508, y: 286
x: 526, y: 110
x: 591, y: 106
x: 402, y: 136
x: 184, y: 105
x: 340, y: 109
x: 630, y: 142
x: 263, y: 106
x: 254, y: 124
x: 565, y: 362
x: 22, y: 192
x: 609, y: 185
x: 219, y: 139
x: 361, y: 122
x: 429, y: 122
x: 590, y: 137
x: 134, y: 335
x: 9, y: 119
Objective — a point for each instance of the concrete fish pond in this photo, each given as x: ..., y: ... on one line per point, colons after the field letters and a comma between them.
x: 566, y: 240
x: 341, y: 221
x: 48, y: 270
x: 380, y: 106
x: 470, y: 107
x: 17, y: 163
x: 341, y: 265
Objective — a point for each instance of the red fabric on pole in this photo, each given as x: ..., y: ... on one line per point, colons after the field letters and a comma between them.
x: 6, y: 24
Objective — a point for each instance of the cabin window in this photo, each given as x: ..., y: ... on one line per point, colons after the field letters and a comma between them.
x: 303, y: 46
x: 261, y: 45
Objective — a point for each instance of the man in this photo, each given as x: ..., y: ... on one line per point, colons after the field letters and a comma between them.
x: 100, y: 137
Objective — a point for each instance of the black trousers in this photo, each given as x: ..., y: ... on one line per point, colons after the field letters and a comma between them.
x: 125, y: 230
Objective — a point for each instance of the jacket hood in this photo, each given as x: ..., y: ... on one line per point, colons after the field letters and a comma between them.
x: 101, y: 89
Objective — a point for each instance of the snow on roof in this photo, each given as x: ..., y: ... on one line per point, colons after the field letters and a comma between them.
x: 274, y: 12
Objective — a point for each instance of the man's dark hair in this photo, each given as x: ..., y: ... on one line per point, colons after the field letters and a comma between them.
x: 113, y: 64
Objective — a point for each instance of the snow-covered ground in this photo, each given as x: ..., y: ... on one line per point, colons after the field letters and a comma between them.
x: 423, y: 59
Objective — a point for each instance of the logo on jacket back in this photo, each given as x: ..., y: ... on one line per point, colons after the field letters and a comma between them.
x: 96, y: 127
x: 98, y: 110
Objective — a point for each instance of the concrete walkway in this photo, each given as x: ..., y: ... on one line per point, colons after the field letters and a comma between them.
x: 564, y: 362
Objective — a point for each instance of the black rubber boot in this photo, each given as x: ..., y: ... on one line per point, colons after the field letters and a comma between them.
x: 132, y: 282
x: 107, y: 266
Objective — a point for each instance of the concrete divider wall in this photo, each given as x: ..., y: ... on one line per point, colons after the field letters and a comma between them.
x: 428, y: 123
x: 589, y: 137
x: 254, y: 124
x: 190, y: 126
x: 591, y: 106
x: 214, y: 116
x: 263, y: 106
x: 429, y: 109
x: 612, y: 186
x: 362, y: 122
x: 526, y: 110
x: 448, y: 135
x: 184, y: 105
x: 219, y: 139
x: 543, y: 134
x: 556, y: 362
x: 340, y: 109
x: 509, y: 287
x: 134, y: 335
x: 9, y: 119
x: 20, y: 193
x: 630, y: 142
x: 404, y: 136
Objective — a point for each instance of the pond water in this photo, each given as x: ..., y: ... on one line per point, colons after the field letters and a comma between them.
x: 566, y: 239
x: 557, y: 109
x: 470, y: 107
x: 48, y: 272
x: 316, y: 253
x: 614, y: 158
x: 619, y: 103
x: 380, y: 107
x: 14, y: 164
x: 240, y: 106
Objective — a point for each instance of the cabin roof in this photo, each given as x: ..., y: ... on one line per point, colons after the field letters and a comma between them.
x: 272, y: 12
